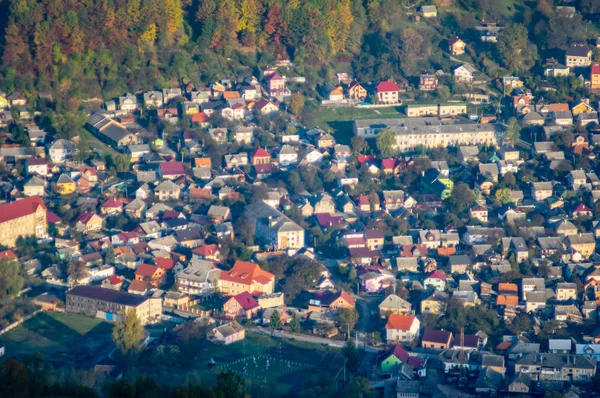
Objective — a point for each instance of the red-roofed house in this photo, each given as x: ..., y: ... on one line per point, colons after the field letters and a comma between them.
x: 595, y: 76
x: 111, y: 206
x: 165, y: 263
x: 260, y: 156
x: 387, y: 92
x: 402, y: 328
x: 149, y: 273
x: 112, y: 282
x: 582, y: 211
x: 207, y: 252
x: 436, y: 279
x: 171, y: 170
x: 201, y: 118
x: 25, y: 217
x: 241, y: 305
x: 394, y: 356
x: 8, y: 255
x: 246, y: 277
x: 414, y: 251
x: 88, y: 222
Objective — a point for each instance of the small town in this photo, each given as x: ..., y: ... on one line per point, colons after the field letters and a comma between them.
x: 271, y: 233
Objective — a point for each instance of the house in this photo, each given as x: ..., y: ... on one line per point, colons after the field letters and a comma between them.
x: 266, y: 107
x: 128, y: 103
x: 227, y: 333
x: 376, y: 281
x: 241, y: 305
x: 582, y: 107
x: 171, y: 170
x: 464, y: 73
x: 277, y: 86
x: 65, y: 185
x: 275, y: 227
x: 393, y: 304
x: 110, y: 131
x: 357, y: 92
x: 479, y: 212
x: 199, y: 278
x: 167, y: 190
x: 456, y: 46
x: 578, y: 56
x: 428, y: 82
x: 149, y: 273
x: 387, y: 92
x: 153, y: 99
x: 435, y: 303
x: 459, y: 264
x: 541, y: 190
x: 436, y: 339
x: 559, y: 346
x: 37, y: 166
x: 429, y: 11
x: 246, y: 277
x: 88, y: 222
x: 392, y: 357
x: 61, y: 150
x: 557, y: 367
x: 520, y: 384
x: 595, y: 76
x: 287, y: 156
x: 402, y: 328
x: 437, y: 279
x: 583, y: 243
x: 35, y: 186
x: 331, y: 301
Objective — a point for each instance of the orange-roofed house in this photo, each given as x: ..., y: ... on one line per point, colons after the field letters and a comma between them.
x: 149, y: 273
x: 241, y: 305
x: 201, y: 119
x: 341, y: 299
x: 402, y: 328
x: 503, y: 300
x: 456, y: 46
x: 8, y: 255
x: 246, y: 277
x: 25, y: 217
x: 508, y: 288
x: 202, y: 162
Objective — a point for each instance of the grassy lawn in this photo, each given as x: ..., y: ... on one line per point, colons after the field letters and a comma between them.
x: 287, y: 364
x: 339, y: 120
x: 66, y: 338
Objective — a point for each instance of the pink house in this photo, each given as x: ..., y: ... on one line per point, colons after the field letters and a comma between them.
x: 376, y: 281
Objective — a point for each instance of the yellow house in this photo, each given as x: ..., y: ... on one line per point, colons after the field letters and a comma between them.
x: 429, y: 11
x: 65, y: 185
x: 3, y: 101
x: 581, y: 107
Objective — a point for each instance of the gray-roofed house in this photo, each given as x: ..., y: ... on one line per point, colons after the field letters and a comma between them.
x: 167, y: 190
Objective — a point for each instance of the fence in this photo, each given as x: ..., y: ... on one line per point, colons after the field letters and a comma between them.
x: 17, y: 323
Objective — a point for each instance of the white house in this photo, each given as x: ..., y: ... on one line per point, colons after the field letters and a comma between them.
x: 60, y: 150
x: 128, y: 103
x: 287, y: 156
x: 314, y: 156
x: 402, y: 328
x: 464, y: 73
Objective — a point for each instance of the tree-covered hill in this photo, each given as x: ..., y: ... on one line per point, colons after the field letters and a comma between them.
x: 102, y: 48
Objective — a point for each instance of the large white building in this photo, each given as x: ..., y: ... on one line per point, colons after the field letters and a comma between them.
x: 428, y: 132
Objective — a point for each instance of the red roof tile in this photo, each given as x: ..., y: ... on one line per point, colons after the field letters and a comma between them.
x: 261, y: 153
x: 397, y: 351
x: 115, y: 280
x: 400, y: 322
x: 8, y: 254
x: 383, y: 87
x: 20, y: 208
x: 595, y: 69
x: 246, y: 301
x: 84, y: 217
x: 112, y: 203
x: 52, y: 218
x: 146, y: 270
x: 437, y: 274
x: 171, y: 168
x: 164, y: 263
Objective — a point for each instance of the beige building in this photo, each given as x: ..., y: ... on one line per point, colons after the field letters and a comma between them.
x: 444, y: 136
x: 566, y: 291
x: 25, y: 217
x: 556, y: 367
x: 451, y: 109
x: 393, y: 304
x: 108, y: 304
x: 274, y: 227
x: 578, y: 56
x: 421, y: 110
x: 541, y: 190
x: 584, y: 244
x: 246, y: 277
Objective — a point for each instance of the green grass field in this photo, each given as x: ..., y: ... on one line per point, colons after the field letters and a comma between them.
x: 284, y: 363
x: 61, y: 337
x: 339, y: 120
